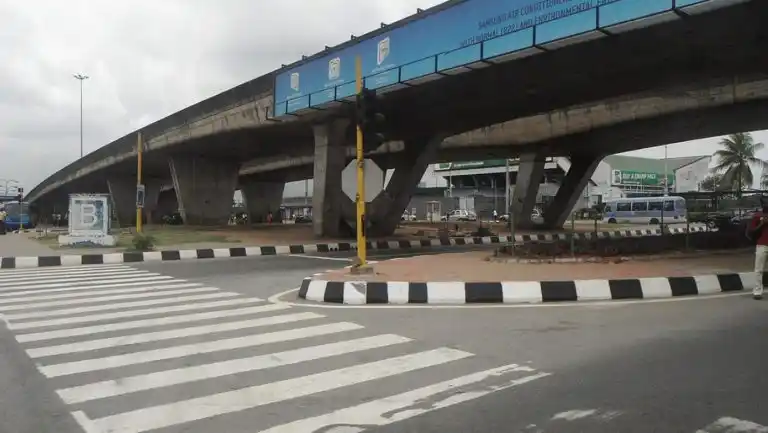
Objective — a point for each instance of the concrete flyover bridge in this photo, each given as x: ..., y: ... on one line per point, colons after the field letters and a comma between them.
x: 579, y: 81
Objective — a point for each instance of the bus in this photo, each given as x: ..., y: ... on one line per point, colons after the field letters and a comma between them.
x: 17, y: 215
x: 645, y: 210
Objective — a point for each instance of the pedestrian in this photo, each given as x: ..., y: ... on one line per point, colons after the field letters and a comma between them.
x: 2, y: 221
x: 756, y: 231
x: 495, y: 216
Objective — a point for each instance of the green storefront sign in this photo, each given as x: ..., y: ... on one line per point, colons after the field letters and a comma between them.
x: 628, y: 177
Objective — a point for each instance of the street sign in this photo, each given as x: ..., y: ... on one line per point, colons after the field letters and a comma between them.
x: 374, y: 180
x: 140, y: 193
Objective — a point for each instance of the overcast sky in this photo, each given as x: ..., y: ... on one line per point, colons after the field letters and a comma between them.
x: 148, y: 58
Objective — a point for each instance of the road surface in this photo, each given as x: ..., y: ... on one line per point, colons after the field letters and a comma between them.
x: 195, y: 347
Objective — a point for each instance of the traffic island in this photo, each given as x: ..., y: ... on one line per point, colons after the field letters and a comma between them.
x: 8, y: 261
x: 469, y: 278
x: 622, y: 248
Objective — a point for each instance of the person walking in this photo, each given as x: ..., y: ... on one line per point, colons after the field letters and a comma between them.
x: 756, y: 231
x: 2, y: 221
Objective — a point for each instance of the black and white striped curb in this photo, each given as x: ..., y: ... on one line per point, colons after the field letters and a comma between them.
x: 520, y: 292
x: 210, y: 253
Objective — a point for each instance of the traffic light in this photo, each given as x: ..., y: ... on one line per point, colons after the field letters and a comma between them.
x: 20, y: 194
x: 369, y: 118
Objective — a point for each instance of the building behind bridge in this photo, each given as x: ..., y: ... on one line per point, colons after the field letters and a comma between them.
x: 479, y: 185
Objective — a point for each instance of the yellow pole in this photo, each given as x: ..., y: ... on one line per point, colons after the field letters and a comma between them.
x: 361, y: 247
x: 139, y: 146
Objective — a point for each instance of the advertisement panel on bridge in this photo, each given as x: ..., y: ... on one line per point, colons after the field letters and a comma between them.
x: 461, y: 34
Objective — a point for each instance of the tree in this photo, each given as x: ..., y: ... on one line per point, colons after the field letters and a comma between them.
x: 735, y: 161
x: 713, y: 182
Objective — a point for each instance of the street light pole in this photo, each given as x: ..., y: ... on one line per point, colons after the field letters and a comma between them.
x: 81, y: 78
x: 666, y: 173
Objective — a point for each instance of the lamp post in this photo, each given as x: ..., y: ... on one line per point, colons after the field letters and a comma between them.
x: 81, y: 78
x: 666, y: 189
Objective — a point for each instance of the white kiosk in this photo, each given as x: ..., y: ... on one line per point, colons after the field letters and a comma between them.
x: 89, y: 221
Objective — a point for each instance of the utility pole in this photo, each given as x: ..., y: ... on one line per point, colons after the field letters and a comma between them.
x: 81, y: 78
x: 666, y: 173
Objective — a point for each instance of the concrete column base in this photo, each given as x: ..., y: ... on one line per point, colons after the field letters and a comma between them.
x: 574, y: 183
x: 330, y: 159
x: 385, y: 211
x: 530, y: 172
x: 122, y: 191
x: 205, y: 188
x: 262, y: 198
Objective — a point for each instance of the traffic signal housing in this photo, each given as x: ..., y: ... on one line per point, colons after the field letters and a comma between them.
x: 370, y: 119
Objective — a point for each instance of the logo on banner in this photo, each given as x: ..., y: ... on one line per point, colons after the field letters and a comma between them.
x: 334, y: 69
x: 295, y: 81
x: 383, y: 51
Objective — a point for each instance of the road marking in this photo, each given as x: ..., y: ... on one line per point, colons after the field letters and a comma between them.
x: 92, y: 284
x: 733, y: 425
x: 277, y: 299
x: 90, y: 330
x: 179, y: 412
x: 127, y: 340
x: 409, y: 404
x: 142, y: 281
x: 10, y: 273
x: 5, y: 279
x: 84, y: 295
x: 159, y: 379
x: 304, y: 256
x: 141, y: 357
x: 131, y: 313
x: 97, y: 299
x: 72, y: 311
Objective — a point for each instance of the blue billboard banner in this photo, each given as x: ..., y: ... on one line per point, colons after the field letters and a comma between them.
x: 462, y: 34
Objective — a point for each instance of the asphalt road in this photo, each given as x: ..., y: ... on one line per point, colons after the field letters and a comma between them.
x: 135, y: 348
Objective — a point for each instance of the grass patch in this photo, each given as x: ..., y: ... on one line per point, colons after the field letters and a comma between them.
x: 161, y: 236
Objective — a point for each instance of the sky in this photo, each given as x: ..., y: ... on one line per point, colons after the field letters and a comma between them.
x: 146, y: 59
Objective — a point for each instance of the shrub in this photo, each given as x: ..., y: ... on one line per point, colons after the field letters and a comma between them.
x: 142, y: 242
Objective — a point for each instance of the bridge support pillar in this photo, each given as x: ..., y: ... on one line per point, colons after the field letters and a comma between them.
x: 574, y: 183
x: 530, y: 172
x: 327, y: 197
x: 167, y: 204
x: 385, y: 211
x: 204, y: 187
x: 261, y: 197
x: 123, y: 193
x: 122, y: 190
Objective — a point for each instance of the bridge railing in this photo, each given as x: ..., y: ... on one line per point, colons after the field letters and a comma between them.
x: 603, y: 17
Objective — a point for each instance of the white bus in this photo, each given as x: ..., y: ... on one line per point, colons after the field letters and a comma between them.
x: 645, y: 210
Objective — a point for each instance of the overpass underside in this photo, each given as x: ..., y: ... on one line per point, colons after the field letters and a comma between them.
x: 534, y: 101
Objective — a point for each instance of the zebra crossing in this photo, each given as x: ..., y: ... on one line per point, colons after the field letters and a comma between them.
x: 128, y: 350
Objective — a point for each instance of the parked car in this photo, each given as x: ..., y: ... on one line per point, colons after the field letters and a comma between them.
x: 407, y: 217
x: 460, y: 215
x: 302, y: 219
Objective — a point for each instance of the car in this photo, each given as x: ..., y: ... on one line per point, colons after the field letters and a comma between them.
x: 460, y: 215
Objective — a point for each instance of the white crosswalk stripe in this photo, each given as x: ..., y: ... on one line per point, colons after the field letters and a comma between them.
x: 132, y: 353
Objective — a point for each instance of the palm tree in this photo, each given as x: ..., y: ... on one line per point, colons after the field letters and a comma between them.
x: 736, y: 158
